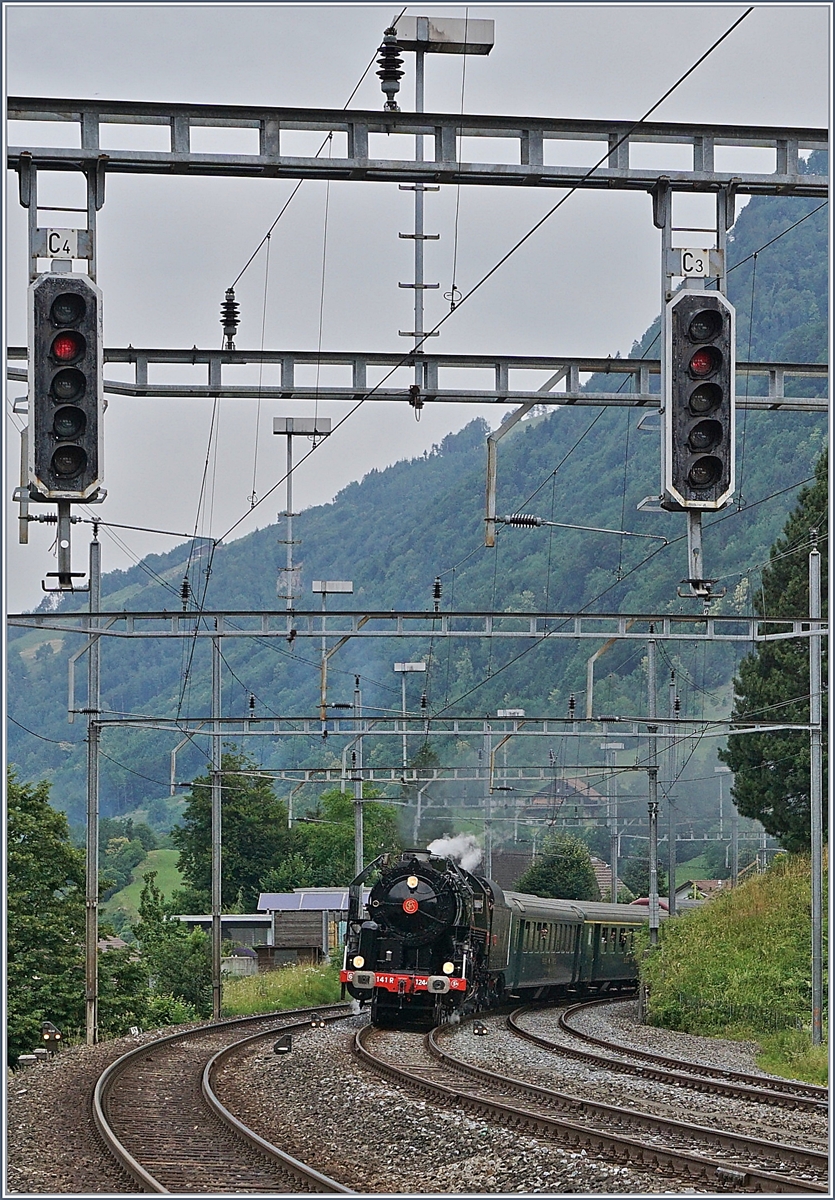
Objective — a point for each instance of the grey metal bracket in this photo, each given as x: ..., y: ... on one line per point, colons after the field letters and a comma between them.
x: 524, y: 136
x: 630, y: 377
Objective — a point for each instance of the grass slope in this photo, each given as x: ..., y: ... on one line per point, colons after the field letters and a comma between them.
x: 164, y: 862
x: 739, y: 967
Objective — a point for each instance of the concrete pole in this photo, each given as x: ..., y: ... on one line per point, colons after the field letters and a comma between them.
x: 289, y: 515
x: 488, y: 823
x: 216, y: 829
x: 652, y: 771
x: 671, y: 815
x: 419, y: 90
x: 358, y: 829
x: 816, y: 790
x: 403, y: 710
x: 91, y: 933
x: 734, y: 847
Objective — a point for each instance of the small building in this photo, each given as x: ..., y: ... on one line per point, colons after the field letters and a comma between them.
x: 307, y: 924
x: 696, y: 891
x: 244, y: 929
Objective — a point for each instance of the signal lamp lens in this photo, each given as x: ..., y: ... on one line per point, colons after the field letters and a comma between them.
x: 705, y: 473
x: 67, y: 309
x: 68, y: 346
x: 359, y: 961
x: 412, y: 881
x: 68, y: 384
x: 705, y: 397
x: 448, y: 968
x: 69, y: 422
x: 705, y: 325
x: 705, y: 362
x: 68, y: 461
x: 705, y: 436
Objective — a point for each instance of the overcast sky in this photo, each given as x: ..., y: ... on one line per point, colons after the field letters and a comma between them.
x: 587, y: 283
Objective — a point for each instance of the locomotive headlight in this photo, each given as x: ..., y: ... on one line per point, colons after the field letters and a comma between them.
x: 412, y: 881
x: 448, y: 968
x: 359, y: 961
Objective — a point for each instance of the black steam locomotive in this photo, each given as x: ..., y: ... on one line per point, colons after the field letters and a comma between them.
x: 433, y: 940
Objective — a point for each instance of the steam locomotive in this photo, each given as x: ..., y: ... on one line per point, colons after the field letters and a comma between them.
x: 434, y: 940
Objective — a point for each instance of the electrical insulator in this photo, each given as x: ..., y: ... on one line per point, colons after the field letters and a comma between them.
x: 523, y: 520
x: 229, y: 319
x: 251, y: 703
x: 423, y: 701
x: 390, y: 73
x: 353, y: 758
x: 571, y: 706
x: 677, y: 705
x: 436, y: 592
x: 185, y: 592
x: 415, y: 398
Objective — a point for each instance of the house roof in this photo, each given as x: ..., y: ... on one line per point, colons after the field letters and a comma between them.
x: 308, y: 900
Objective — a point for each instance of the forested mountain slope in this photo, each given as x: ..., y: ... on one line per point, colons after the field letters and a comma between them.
x: 394, y: 531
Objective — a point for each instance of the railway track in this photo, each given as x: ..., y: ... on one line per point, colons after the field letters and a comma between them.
x: 157, y: 1113
x: 708, y: 1157
x: 762, y: 1089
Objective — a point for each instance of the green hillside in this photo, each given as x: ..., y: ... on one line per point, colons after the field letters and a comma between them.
x: 394, y: 531
x: 164, y: 862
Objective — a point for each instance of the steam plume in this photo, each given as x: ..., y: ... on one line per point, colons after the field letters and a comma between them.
x: 463, y: 848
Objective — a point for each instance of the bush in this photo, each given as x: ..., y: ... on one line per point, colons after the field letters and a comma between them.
x: 169, y: 1010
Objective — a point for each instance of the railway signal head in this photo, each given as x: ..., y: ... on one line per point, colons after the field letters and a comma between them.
x: 699, y: 425
x: 65, y: 387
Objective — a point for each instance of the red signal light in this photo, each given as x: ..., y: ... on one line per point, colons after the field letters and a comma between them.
x: 68, y: 346
x: 705, y: 362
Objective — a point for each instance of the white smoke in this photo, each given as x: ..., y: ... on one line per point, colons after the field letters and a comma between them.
x: 463, y: 848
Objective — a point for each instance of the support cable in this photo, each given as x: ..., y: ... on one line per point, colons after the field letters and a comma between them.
x: 286, y: 204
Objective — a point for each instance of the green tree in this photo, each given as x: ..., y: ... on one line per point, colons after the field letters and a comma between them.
x: 45, y: 918
x: 563, y: 871
x: 45, y: 931
x: 634, y: 874
x: 771, y: 770
x: 327, y: 837
x: 255, y: 833
x: 177, y: 962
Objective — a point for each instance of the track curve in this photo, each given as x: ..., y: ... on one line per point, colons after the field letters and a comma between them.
x: 747, y: 1164
x: 763, y: 1089
x: 157, y: 1113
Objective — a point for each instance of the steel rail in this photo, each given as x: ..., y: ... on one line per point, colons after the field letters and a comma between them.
x: 770, y: 1082
x: 322, y: 1183
x: 680, y: 1078
x: 622, y: 1147
x: 798, y: 1157
x: 108, y: 1078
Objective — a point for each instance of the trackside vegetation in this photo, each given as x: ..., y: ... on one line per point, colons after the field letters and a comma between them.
x: 288, y: 987
x: 739, y: 967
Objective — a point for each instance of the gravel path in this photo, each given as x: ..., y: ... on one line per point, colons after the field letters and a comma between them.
x: 322, y: 1105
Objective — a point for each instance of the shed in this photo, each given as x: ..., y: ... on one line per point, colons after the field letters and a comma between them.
x: 307, y: 924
